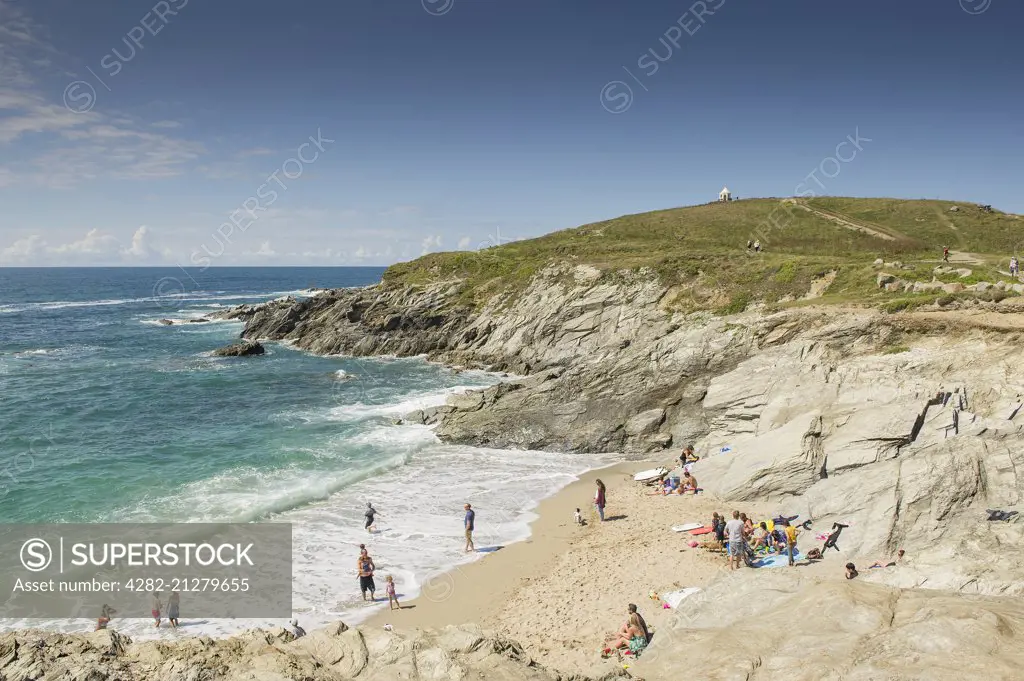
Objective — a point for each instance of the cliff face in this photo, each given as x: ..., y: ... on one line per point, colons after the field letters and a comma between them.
x: 905, y: 428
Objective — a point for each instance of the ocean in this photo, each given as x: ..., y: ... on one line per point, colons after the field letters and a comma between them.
x: 106, y: 415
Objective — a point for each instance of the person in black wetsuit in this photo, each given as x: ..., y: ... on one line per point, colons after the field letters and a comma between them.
x: 830, y: 543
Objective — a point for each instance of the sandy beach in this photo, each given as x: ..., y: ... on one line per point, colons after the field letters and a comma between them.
x: 560, y: 592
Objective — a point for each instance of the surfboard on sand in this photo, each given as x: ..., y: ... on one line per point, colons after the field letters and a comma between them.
x: 687, y: 527
x: 652, y: 474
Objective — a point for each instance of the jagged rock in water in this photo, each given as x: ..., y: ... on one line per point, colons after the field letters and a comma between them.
x: 243, y: 349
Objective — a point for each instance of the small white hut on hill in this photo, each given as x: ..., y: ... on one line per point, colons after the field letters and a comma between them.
x: 725, y: 194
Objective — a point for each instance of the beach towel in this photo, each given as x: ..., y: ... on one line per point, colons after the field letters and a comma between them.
x: 676, y: 597
x: 687, y: 527
x: 780, y: 560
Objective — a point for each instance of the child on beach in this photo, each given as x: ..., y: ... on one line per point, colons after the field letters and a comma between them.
x: 578, y: 517
x: 392, y: 598
x: 155, y: 608
x: 104, y: 619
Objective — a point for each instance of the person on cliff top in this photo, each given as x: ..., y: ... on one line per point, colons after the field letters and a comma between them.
x: 945, y: 254
x: 734, y: 530
x: 470, y: 524
x: 599, y: 499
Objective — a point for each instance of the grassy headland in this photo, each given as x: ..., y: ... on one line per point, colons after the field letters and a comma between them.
x: 701, y: 251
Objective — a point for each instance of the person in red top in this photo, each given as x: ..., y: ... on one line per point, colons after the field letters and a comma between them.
x: 945, y: 254
x: 599, y: 500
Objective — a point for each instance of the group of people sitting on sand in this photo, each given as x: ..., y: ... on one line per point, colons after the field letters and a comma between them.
x: 679, y: 480
x: 745, y: 539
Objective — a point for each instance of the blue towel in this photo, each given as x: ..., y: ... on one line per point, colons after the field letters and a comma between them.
x: 779, y: 560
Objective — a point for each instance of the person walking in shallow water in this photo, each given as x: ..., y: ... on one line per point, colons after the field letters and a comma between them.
x: 155, y: 607
x: 173, y: 604
x: 599, y: 499
x: 470, y: 523
x: 370, y: 513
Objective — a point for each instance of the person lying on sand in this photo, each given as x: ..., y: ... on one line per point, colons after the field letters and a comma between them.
x: 851, y: 571
x: 891, y: 563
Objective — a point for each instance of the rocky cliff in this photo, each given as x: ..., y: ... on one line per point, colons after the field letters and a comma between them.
x: 905, y: 427
x: 336, y: 653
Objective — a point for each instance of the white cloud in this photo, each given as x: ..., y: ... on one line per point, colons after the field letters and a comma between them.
x: 95, y: 242
x: 23, y: 251
x: 265, y: 251
x: 140, y: 247
x: 60, y: 147
x: 96, y: 247
x: 464, y: 243
x: 431, y: 243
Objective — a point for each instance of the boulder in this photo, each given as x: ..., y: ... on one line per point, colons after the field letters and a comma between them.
x: 645, y: 423
x: 242, y: 349
x: 884, y: 278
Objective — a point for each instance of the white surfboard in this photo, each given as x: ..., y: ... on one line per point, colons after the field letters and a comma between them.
x: 652, y: 474
x: 687, y: 527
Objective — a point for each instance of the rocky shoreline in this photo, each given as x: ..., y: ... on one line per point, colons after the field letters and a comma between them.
x: 335, y: 653
x: 906, y: 425
x: 905, y: 428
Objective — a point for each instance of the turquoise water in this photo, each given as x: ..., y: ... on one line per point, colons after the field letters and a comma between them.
x: 108, y: 416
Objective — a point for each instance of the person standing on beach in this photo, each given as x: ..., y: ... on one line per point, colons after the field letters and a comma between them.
x: 370, y: 513
x: 173, y: 604
x: 366, y: 566
x: 734, y: 530
x: 470, y: 523
x: 599, y: 499
x: 790, y: 542
x: 106, y: 613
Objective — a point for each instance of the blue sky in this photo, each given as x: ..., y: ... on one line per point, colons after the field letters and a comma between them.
x: 346, y: 132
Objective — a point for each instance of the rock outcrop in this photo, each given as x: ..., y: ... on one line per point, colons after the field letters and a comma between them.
x: 906, y: 428
x: 243, y: 349
x: 775, y: 624
x: 336, y: 653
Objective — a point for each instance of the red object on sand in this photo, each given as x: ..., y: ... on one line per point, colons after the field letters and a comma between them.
x: 702, y: 530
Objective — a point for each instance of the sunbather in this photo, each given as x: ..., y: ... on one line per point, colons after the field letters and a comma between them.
x: 689, y: 484
x: 631, y: 635
x: 891, y: 563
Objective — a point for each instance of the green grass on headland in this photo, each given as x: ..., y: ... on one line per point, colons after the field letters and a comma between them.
x: 701, y: 250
